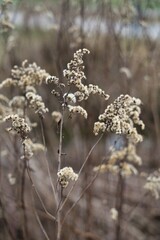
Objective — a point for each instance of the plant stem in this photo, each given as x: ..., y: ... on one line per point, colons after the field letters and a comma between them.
x: 46, y: 161
x: 83, y: 192
x: 80, y: 171
x: 24, y: 222
x: 119, y: 207
x: 38, y: 195
x: 59, y: 167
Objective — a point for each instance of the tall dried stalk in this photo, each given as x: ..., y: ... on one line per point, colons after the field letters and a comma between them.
x: 119, y: 207
x: 60, y: 190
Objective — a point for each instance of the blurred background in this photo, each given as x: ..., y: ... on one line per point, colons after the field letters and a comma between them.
x: 123, y: 37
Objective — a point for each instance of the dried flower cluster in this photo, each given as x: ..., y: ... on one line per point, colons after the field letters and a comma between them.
x: 8, y: 83
x: 26, y: 75
x: 57, y: 116
x: 30, y: 148
x: 120, y: 117
x: 36, y: 102
x: 4, y: 107
x: 153, y: 184
x: 11, y: 179
x: 17, y: 102
x: 122, y: 161
x: 77, y: 109
x: 114, y: 214
x: 19, y: 125
x: 26, y: 78
x: 65, y: 175
x: 75, y: 76
x: 29, y: 74
x: 69, y: 98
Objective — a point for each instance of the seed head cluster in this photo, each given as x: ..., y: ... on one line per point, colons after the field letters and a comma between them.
x: 30, y: 148
x: 122, y: 161
x: 19, y: 125
x: 77, y: 109
x: 153, y: 184
x: 17, y: 102
x: 75, y: 76
x: 65, y: 175
x: 35, y: 101
x: 29, y: 74
x: 120, y: 117
x: 57, y: 116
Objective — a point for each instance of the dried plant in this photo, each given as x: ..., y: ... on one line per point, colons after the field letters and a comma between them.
x: 120, y: 117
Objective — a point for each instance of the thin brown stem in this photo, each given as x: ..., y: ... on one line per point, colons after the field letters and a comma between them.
x: 83, y: 192
x: 38, y: 195
x: 119, y: 207
x: 59, y: 167
x: 80, y: 171
x: 46, y: 161
x: 24, y: 222
x: 39, y: 221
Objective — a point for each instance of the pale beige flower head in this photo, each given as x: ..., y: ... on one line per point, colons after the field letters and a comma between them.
x: 77, y: 109
x: 69, y: 98
x: 114, y: 214
x: 121, y: 117
x: 153, y: 184
x: 19, y: 125
x: 57, y: 116
x: 65, y: 175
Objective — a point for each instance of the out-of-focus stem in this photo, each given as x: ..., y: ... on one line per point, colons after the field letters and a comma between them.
x: 59, y: 227
x: 119, y: 207
x: 46, y: 161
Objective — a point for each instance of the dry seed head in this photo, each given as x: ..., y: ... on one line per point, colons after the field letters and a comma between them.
x: 120, y: 117
x: 36, y: 102
x: 27, y: 152
x: 8, y: 82
x: 69, y: 98
x: 65, y: 175
x: 74, y: 72
x: 30, y: 148
x: 94, y: 89
x: 153, y: 184
x: 28, y: 74
x: 52, y: 79
x: 11, y: 179
x: 17, y: 102
x: 114, y: 214
x: 57, y: 116
x: 77, y: 109
x: 18, y: 125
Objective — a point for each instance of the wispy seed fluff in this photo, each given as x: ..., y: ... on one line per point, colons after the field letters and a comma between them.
x: 120, y: 117
x: 19, y: 125
x: 65, y: 175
